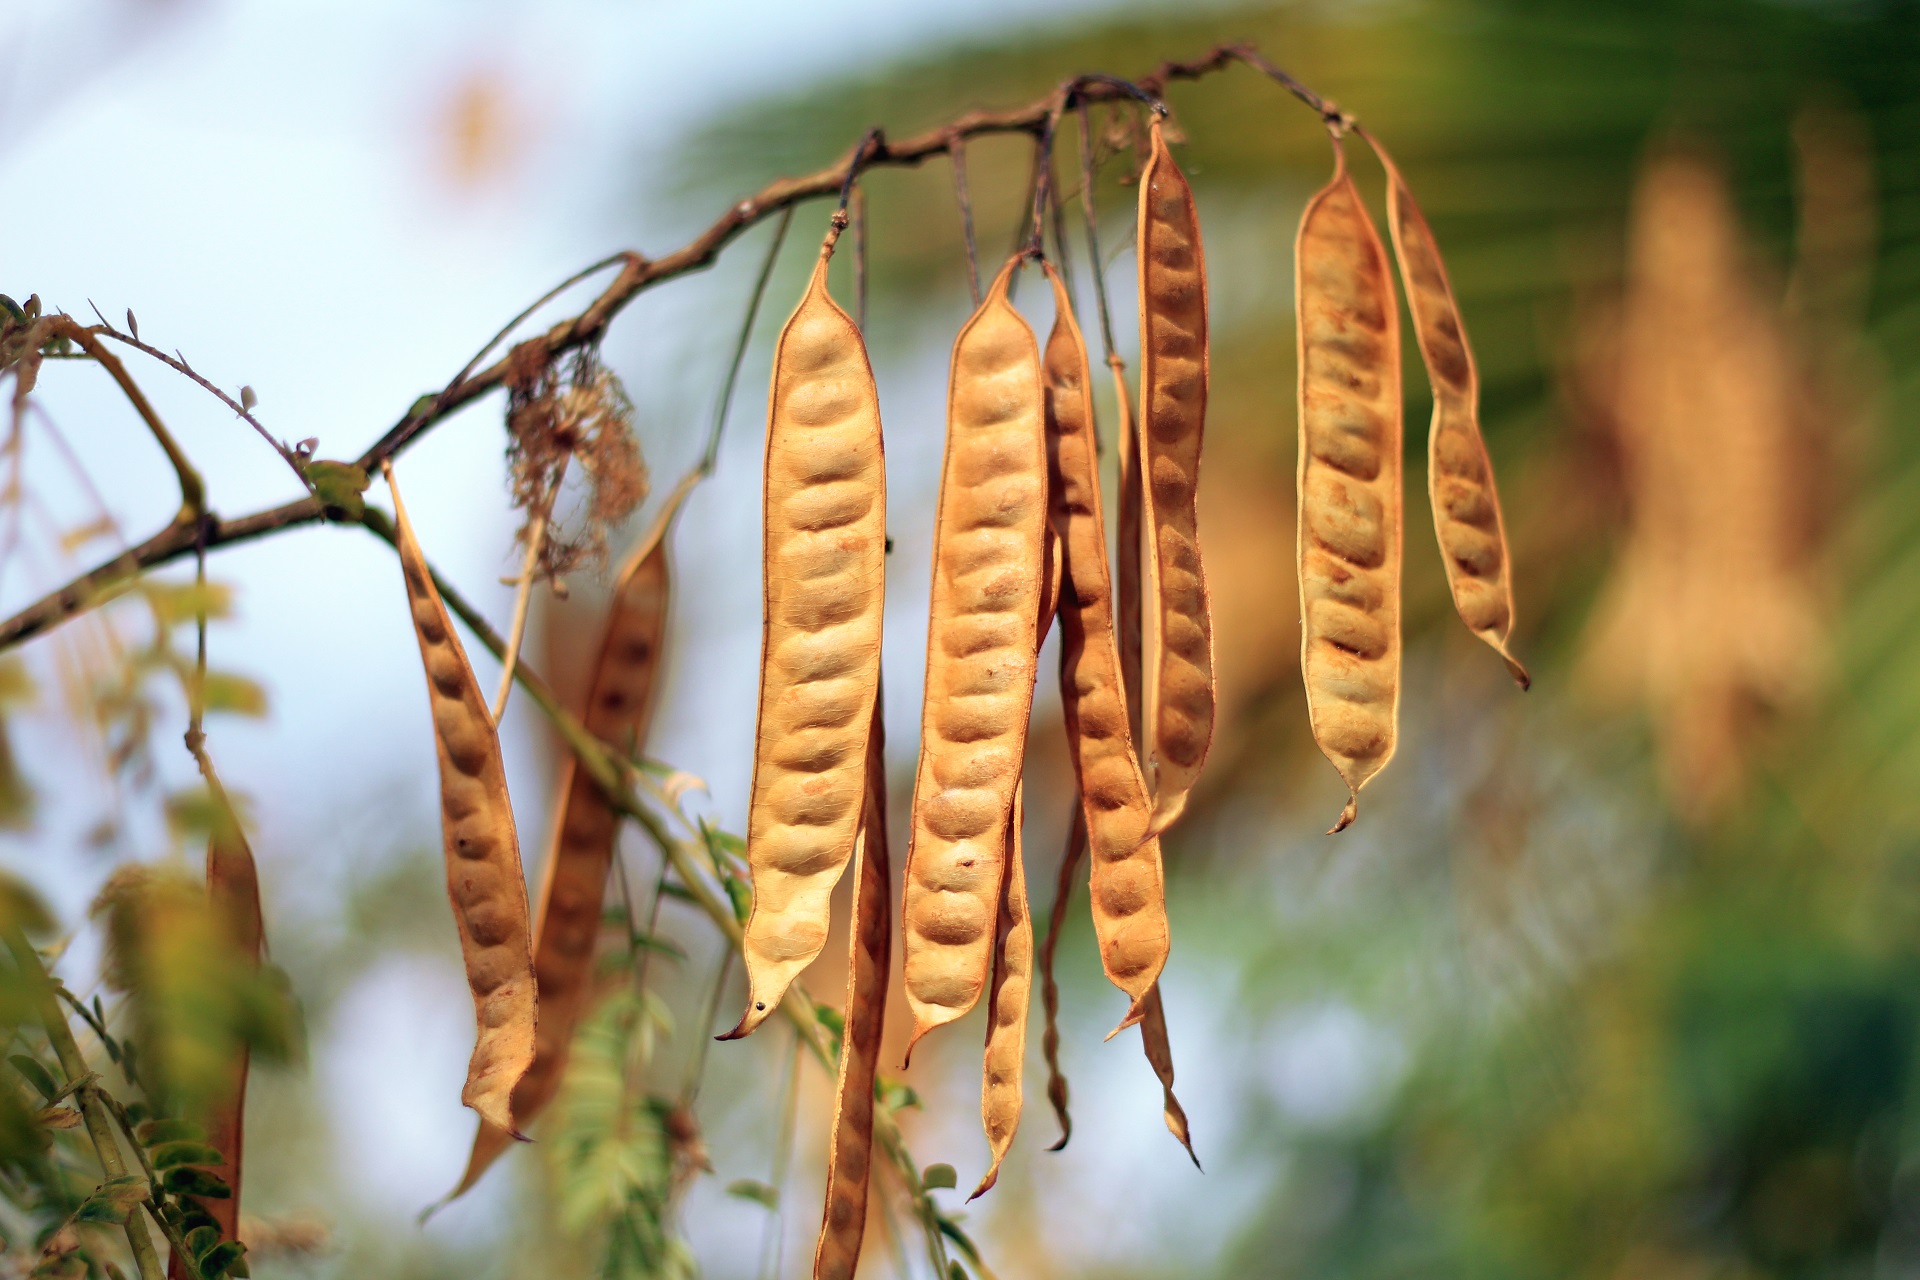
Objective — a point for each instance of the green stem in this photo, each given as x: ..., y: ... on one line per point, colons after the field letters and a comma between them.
x: 92, y: 1109
x: 167, y: 1229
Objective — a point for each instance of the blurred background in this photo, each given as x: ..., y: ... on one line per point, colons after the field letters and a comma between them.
x: 1619, y: 978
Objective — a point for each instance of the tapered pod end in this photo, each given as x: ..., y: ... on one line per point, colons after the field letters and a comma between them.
x: 1057, y: 1095
x: 1347, y: 815
x: 986, y: 1183
x: 1166, y: 811
x: 1514, y: 669
x: 1134, y: 1014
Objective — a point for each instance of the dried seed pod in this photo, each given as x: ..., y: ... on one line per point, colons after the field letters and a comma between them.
x: 1159, y: 1049
x: 825, y: 564
x: 233, y: 889
x: 1466, y: 505
x: 1350, y: 501
x: 484, y: 880
x: 1049, y: 989
x: 1129, y: 894
x: 850, y: 1153
x: 989, y: 576
x: 620, y: 701
x: 1173, y: 410
x: 1001, y: 1086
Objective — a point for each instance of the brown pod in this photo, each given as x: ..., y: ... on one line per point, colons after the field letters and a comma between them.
x: 825, y: 576
x: 1351, y: 518
x: 989, y: 576
x: 1049, y: 989
x: 233, y: 890
x: 850, y: 1153
x: 482, y: 850
x: 1460, y: 487
x: 1002, y: 1089
x: 1159, y: 1050
x: 1129, y: 894
x: 573, y: 882
x: 1173, y: 411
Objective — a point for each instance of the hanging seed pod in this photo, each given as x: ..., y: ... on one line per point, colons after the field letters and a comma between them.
x: 620, y: 700
x: 1466, y: 505
x: 989, y: 575
x: 1049, y: 989
x: 825, y: 528
x: 484, y: 880
x: 1002, y: 1088
x: 1129, y: 896
x: 1173, y: 409
x: 850, y: 1151
x: 1350, y: 497
x: 233, y: 891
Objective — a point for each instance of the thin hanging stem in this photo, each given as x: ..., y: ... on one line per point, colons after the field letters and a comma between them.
x: 873, y: 145
x: 957, y: 149
x: 1088, y: 174
x: 860, y: 258
x: 1336, y: 119
x: 1061, y: 255
x: 773, y: 1241
x: 712, y: 453
x: 523, y: 592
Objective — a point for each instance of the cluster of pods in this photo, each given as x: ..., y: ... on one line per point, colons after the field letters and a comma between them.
x: 1020, y: 543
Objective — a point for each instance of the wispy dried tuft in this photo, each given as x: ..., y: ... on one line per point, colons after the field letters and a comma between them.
x: 574, y: 421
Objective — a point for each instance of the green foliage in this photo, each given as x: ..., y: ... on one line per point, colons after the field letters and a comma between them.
x: 194, y: 1000
x: 618, y: 1163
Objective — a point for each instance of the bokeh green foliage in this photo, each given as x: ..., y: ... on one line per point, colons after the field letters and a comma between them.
x: 1716, y: 1073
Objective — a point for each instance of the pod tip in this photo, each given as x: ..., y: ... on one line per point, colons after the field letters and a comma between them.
x: 1518, y: 672
x: 1347, y: 815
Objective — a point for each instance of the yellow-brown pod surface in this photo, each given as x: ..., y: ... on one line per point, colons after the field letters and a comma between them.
x: 836, y: 1256
x: 825, y: 565
x: 1129, y: 898
x: 620, y: 700
x: 1466, y: 505
x: 1350, y: 531
x: 1159, y: 1050
x: 484, y: 880
x: 988, y: 579
x: 1173, y: 411
x: 1002, y: 1088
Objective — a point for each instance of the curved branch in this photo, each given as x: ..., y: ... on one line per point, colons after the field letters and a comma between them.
x: 637, y: 274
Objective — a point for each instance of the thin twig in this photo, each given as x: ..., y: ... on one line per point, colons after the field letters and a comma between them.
x: 712, y: 453
x: 957, y: 148
x: 178, y: 363
x: 193, y: 494
x: 860, y: 258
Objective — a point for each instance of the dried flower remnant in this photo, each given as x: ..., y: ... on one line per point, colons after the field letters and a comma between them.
x: 577, y: 420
